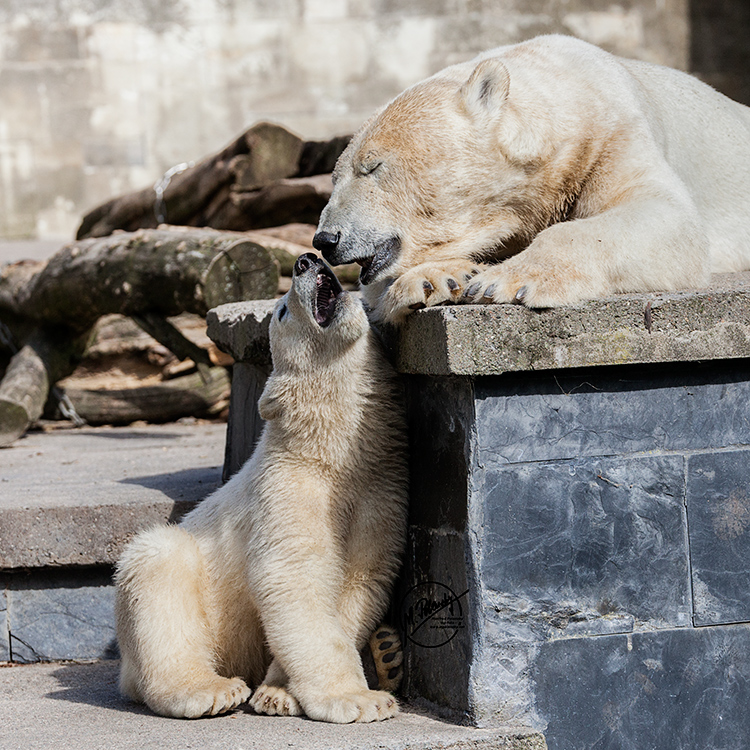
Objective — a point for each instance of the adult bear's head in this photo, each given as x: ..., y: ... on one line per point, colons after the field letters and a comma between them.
x: 438, y: 174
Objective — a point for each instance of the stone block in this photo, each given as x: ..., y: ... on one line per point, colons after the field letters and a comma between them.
x: 244, y: 425
x: 69, y: 616
x: 718, y: 507
x: 589, y: 413
x: 435, y: 619
x: 678, y: 689
x: 441, y: 416
x: 570, y: 543
x: 4, y: 638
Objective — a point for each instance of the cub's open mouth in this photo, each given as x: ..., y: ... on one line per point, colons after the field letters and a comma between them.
x: 327, y: 293
x: 327, y: 287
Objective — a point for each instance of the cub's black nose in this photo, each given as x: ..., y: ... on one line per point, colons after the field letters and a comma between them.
x: 326, y: 242
x: 305, y: 261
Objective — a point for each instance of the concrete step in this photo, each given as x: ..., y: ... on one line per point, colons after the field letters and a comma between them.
x: 78, y: 707
x: 69, y: 501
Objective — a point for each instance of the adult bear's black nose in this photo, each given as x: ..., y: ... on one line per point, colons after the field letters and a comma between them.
x: 326, y: 242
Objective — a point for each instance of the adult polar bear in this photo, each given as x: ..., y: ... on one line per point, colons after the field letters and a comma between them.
x: 293, y: 558
x: 596, y: 174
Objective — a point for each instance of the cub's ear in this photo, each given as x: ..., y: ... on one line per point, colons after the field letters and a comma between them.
x: 269, y: 405
x: 487, y: 87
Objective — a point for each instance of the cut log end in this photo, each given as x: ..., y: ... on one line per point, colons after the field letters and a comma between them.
x: 14, y: 421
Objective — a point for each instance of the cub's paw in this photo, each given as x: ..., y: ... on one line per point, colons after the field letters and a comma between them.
x: 365, y: 706
x: 215, y: 696
x: 385, y: 645
x: 275, y: 701
x: 426, y: 285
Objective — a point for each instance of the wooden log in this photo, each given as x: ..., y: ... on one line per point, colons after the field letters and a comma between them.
x: 283, y: 202
x: 183, y: 194
x: 164, y: 271
x: 188, y: 395
x: 190, y: 194
x: 320, y: 157
x: 48, y: 355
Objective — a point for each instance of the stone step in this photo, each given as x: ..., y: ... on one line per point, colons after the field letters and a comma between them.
x: 69, y: 501
x: 57, y: 706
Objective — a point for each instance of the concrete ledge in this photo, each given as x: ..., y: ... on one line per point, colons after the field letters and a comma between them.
x: 685, y: 326
x: 78, y: 705
x: 690, y: 325
x: 241, y: 329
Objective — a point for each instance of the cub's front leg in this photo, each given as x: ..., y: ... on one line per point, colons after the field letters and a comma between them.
x: 298, y: 588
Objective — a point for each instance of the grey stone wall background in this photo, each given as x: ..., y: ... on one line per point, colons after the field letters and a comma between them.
x: 99, y: 97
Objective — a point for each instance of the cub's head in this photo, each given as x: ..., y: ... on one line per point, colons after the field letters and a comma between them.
x: 316, y: 321
x: 436, y: 175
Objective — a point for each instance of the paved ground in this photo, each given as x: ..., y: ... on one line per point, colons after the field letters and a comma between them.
x: 97, y: 465
x: 77, y: 707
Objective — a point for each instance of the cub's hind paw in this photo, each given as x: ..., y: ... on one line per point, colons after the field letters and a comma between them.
x: 385, y: 645
x: 275, y: 701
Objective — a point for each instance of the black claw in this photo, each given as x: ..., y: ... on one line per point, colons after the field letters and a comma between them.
x: 489, y: 291
x: 473, y: 289
x: 452, y: 284
x: 417, y: 306
x: 428, y: 288
x: 520, y: 295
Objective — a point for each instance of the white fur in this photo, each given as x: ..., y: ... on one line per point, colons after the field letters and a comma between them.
x: 287, y: 569
x: 570, y: 172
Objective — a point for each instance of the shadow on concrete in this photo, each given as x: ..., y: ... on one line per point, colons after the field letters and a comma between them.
x: 186, y: 485
x: 121, y: 434
x: 93, y: 685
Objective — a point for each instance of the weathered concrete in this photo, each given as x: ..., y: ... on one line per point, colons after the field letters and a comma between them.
x: 684, y: 326
x: 77, y: 707
x: 69, y: 502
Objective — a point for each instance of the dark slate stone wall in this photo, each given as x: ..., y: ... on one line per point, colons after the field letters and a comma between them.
x: 685, y: 689
x: 59, y: 614
x: 602, y: 518
x: 433, y: 603
x: 615, y: 501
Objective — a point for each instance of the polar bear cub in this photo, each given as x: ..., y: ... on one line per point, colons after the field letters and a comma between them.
x: 277, y: 580
x: 542, y: 173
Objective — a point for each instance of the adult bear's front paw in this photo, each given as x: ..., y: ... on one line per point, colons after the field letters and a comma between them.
x: 426, y: 285
x: 364, y: 706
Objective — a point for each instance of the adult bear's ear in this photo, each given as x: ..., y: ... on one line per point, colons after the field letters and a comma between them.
x: 487, y: 87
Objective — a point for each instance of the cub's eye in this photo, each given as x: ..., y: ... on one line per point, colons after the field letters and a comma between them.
x: 282, y: 312
x: 369, y: 166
